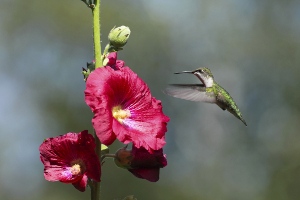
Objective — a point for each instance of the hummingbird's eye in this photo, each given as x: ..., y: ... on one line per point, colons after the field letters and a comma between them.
x: 201, y: 71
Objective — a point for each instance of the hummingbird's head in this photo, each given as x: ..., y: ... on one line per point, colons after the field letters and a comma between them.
x: 205, y: 75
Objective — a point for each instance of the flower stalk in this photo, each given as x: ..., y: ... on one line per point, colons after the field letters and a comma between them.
x: 95, y: 189
x: 96, y: 186
x: 97, y: 35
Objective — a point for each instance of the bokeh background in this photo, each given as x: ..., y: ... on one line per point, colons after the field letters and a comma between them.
x: 252, y: 48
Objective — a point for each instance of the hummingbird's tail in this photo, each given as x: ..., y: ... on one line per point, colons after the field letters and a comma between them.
x: 243, y: 121
x: 237, y: 115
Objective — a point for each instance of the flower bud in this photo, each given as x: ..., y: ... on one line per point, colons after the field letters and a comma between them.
x: 118, y: 37
x: 123, y: 158
x: 141, y: 163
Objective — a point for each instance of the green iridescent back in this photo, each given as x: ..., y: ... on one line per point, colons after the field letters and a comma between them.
x: 225, y: 101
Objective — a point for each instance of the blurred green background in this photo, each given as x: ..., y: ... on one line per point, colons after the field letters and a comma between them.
x: 252, y: 48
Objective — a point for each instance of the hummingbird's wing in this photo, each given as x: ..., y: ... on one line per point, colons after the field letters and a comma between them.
x: 191, y: 92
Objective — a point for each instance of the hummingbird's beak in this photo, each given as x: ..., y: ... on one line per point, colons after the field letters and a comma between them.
x: 188, y: 72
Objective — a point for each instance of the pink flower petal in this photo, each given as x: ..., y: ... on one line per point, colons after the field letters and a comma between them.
x: 81, y: 184
x: 146, y: 124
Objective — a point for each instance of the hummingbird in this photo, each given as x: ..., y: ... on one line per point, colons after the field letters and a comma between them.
x: 209, y: 91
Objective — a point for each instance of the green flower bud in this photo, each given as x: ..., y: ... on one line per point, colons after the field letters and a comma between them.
x: 118, y: 37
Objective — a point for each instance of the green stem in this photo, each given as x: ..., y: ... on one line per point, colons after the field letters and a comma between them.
x: 95, y: 189
x: 97, y: 35
x: 107, y: 156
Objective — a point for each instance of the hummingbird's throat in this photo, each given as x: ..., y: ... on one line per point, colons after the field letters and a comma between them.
x: 120, y: 114
x: 207, y: 81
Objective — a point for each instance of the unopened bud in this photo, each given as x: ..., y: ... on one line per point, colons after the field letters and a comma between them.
x: 118, y: 37
x: 123, y: 158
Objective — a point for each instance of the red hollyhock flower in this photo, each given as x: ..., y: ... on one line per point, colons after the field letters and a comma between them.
x: 124, y: 109
x: 70, y: 158
x: 141, y: 163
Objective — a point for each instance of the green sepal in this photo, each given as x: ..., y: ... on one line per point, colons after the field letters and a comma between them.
x: 104, y: 149
x: 90, y: 67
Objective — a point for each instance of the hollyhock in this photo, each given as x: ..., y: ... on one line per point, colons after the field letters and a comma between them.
x: 70, y: 158
x: 124, y: 108
x: 141, y: 163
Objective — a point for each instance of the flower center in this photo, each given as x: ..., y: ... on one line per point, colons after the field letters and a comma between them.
x: 77, y: 167
x: 120, y: 114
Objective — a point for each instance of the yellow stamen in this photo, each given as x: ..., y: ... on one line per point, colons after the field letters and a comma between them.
x: 75, y: 169
x: 120, y: 114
